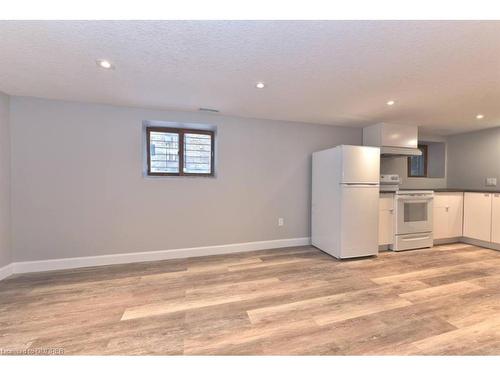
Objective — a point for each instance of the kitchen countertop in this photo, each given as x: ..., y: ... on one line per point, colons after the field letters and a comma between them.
x: 450, y: 190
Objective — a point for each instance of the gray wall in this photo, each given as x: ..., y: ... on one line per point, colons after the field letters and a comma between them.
x: 5, y: 222
x: 473, y: 157
x: 437, y: 159
x: 78, y: 188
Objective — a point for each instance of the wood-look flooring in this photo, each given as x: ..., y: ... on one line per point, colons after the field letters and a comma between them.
x: 444, y: 300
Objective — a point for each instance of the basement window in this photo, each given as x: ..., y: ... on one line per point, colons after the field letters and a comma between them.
x: 417, y: 165
x: 179, y: 152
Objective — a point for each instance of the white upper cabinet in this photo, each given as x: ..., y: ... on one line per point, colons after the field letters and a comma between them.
x: 495, y: 218
x: 386, y: 219
x: 448, y: 215
x: 477, y: 216
x: 390, y: 135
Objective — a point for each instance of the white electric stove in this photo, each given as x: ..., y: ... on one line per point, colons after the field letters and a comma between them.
x: 413, y: 219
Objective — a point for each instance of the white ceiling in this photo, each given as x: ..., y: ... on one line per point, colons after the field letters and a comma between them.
x: 441, y: 74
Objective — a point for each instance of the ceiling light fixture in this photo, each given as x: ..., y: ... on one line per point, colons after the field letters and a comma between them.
x: 260, y: 85
x: 391, y: 102
x: 105, y: 64
x: 479, y: 116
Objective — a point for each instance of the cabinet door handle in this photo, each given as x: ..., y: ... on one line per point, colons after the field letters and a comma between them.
x: 391, y: 210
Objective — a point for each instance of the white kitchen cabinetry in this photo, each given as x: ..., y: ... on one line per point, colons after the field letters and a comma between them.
x: 448, y: 215
x: 386, y: 219
x: 495, y: 218
x: 477, y: 216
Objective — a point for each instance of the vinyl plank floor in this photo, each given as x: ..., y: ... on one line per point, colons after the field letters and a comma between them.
x: 295, y: 301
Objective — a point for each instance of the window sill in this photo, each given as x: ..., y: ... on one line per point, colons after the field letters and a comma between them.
x: 153, y: 177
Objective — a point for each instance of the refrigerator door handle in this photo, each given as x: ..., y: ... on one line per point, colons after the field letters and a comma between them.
x: 354, y: 184
x: 360, y: 183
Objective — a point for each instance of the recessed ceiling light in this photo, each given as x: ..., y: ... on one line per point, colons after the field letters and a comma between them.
x: 391, y: 102
x: 260, y: 85
x: 105, y: 64
x: 479, y: 116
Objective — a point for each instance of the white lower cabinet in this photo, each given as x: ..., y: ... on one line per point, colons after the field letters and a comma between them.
x: 477, y: 216
x: 386, y: 219
x: 495, y: 218
x: 455, y: 214
x: 447, y: 215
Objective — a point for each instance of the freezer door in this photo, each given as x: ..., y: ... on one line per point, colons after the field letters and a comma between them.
x: 360, y: 164
x: 359, y: 220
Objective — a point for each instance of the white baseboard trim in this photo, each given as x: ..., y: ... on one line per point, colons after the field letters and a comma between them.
x: 101, y: 260
x: 6, y: 271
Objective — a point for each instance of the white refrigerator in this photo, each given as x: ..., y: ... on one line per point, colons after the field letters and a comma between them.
x: 345, y: 201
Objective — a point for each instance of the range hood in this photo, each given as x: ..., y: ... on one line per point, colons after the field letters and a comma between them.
x: 393, y: 139
x: 399, y: 151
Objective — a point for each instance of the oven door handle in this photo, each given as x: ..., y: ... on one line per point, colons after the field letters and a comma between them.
x: 414, y: 200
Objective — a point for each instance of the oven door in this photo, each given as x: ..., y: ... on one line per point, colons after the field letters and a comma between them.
x: 414, y: 214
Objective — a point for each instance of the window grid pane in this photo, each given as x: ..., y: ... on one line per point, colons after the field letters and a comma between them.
x: 417, y: 164
x: 197, y: 153
x: 164, y: 152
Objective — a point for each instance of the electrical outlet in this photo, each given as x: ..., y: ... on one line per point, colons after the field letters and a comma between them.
x: 491, y: 181
x: 281, y: 221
